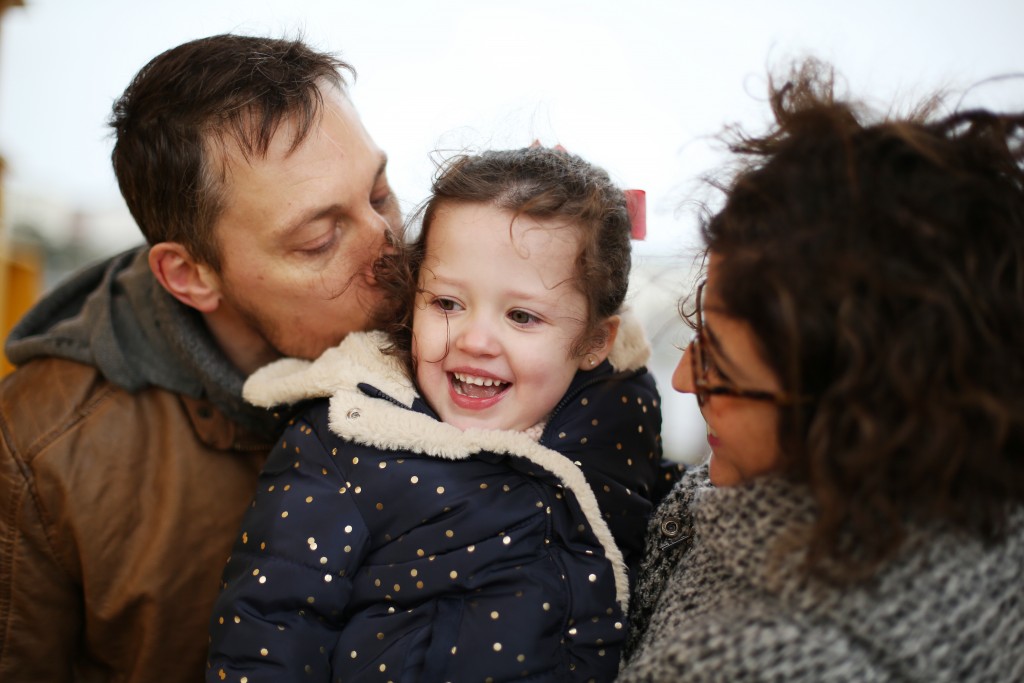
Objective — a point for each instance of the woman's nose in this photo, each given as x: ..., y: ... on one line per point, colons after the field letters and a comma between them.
x: 682, y: 378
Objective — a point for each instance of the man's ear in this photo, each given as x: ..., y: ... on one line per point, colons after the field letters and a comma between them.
x: 597, y: 353
x: 190, y: 282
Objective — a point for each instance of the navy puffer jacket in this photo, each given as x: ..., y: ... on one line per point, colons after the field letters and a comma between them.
x: 385, y: 545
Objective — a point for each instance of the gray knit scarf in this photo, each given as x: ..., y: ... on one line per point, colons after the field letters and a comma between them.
x: 722, y: 597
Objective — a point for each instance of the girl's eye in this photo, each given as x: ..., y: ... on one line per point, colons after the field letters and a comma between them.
x: 445, y: 304
x: 521, y: 317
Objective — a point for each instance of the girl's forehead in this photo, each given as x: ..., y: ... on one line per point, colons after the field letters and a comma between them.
x: 481, y: 223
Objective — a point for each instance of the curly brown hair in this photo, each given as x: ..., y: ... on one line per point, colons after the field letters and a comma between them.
x: 880, y: 263
x: 194, y: 97
x: 534, y: 181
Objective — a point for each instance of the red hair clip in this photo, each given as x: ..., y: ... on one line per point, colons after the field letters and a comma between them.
x: 636, y: 206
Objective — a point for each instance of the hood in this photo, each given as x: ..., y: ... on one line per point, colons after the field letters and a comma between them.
x: 116, y: 317
x: 102, y: 316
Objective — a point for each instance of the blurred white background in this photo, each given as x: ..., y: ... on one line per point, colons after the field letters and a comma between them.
x: 639, y: 87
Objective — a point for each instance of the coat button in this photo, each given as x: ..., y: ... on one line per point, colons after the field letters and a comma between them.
x: 672, y: 533
x: 670, y: 528
x: 353, y: 414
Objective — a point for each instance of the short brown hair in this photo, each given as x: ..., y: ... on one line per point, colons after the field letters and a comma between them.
x: 194, y: 96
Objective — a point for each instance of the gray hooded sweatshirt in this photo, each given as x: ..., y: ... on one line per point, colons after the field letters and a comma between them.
x: 116, y: 317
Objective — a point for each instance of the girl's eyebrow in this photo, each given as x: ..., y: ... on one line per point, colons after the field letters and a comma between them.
x: 537, y: 298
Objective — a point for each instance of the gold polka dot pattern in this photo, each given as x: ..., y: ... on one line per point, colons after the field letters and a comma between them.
x: 362, y: 562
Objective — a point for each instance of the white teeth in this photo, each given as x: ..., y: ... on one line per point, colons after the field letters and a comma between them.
x: 712, y: 432
x: 478, y: 381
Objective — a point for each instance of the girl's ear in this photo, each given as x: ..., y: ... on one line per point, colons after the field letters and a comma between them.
x: 190, y: 282
x: 606, y: 339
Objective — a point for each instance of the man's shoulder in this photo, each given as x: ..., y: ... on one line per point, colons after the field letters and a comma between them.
x: 46, y: 398
x: 52, y: 386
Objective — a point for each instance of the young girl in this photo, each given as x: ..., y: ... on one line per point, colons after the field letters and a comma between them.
x: 472, y: 524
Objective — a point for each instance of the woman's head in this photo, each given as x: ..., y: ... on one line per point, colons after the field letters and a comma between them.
x: 737, y: 391
x: 880, y: 268
x: 534, y: 195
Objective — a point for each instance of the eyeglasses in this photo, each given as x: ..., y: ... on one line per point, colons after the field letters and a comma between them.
x: 701, y: 364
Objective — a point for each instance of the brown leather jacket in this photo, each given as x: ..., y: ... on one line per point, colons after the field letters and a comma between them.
x: 117, y: 513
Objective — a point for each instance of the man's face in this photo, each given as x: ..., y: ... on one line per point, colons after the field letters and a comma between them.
x: 298, y: 236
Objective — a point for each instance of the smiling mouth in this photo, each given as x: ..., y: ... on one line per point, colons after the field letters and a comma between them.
x: 713, y: 440
x: 477, y: 387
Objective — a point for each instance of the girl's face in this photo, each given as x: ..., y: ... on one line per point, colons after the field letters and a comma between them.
x: 743, y: 433
x: 495, y: 317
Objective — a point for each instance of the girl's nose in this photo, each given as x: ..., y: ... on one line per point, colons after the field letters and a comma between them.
x: 682, y: 378
x: 475, y: 337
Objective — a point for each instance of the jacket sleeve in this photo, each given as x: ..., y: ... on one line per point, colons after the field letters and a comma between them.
x: 288, y: 580
x: 40, y: 601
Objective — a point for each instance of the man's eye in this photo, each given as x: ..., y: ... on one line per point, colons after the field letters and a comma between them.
x: 319, y: 246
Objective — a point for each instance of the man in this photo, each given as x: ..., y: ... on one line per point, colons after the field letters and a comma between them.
x: 127, y: 455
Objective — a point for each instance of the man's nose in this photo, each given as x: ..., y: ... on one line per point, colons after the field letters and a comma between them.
x: 382, y: 226
x: 394, y: 227
x: 391, y: 239
x: 379, y: 233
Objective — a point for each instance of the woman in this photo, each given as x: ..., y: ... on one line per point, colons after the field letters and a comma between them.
x: 859, y: 360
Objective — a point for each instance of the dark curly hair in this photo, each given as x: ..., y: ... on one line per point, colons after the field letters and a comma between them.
x: 534, y: 181
x: 880, y: 264
x: 191, y: 99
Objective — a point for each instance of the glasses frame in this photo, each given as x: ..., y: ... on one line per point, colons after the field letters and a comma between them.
x: 700, y: 365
